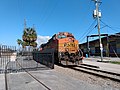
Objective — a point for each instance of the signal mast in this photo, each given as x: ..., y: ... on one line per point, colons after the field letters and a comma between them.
x: 97, y: 16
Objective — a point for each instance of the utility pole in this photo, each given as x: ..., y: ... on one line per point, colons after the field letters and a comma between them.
x: 97, y: 16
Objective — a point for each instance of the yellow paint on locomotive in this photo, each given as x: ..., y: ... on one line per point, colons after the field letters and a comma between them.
x: 71, y: 46
x: 63, y: 44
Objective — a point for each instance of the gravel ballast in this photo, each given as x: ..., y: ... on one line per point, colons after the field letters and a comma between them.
x: 87, y: 77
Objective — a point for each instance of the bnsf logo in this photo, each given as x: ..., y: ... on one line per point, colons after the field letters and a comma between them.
x: 69, y: 45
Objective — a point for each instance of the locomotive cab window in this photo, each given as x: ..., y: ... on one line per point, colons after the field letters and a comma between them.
x: 70, y: 36
x: 61, y: 36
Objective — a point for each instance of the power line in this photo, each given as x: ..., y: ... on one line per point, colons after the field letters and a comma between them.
x: 88, y: 30
x: 110, y: 26
x: 50, y: 13
x: 88, y: 33
x: 103, y: 27
x: 44, y: 10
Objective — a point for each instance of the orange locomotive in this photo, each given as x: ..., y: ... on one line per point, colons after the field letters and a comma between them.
x: 66, y: 48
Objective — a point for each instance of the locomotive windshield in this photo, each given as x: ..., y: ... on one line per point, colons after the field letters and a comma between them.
x: 70, y: 36
x: 61, y: 36
x: 64, y: 35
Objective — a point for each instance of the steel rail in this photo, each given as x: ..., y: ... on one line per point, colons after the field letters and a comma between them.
x: 94, y: 70
x: 97, y: 72
x: 6, y: 83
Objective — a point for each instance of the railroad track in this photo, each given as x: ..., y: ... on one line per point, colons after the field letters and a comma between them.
x: 94, y: 70
x: 6, y: 83
x: 47, y: 88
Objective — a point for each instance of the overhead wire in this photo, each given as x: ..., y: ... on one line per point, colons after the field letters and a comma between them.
x: 114, y: 51
x: 87, y: 31
x: 109, y: 26
x: 44, y: 11
x: 103, y: 27
x: 90, y: 8
x: 50, y: 13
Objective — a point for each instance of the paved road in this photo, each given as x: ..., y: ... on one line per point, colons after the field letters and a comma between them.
x: 95, y: 58
x: 2, y: 82
x: 52, y: 79
x: 104, y: 66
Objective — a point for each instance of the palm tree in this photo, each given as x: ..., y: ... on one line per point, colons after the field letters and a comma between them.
x: 34, y: 44
x: 29, y: 36
x: 19, y: 41
x: 24, y: 44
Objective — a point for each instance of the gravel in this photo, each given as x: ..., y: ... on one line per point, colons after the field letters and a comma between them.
x: 87, y: 77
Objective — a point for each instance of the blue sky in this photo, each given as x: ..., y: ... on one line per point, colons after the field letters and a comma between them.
x: 53, y: 16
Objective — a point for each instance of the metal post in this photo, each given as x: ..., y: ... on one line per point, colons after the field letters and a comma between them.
x: 107, y: 46
x: 88, y: 48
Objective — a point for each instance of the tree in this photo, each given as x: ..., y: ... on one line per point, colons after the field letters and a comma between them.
x: 19, y: 41
x: 29, y: 37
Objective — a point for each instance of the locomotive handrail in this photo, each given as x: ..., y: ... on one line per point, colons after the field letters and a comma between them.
x: 81, y: 52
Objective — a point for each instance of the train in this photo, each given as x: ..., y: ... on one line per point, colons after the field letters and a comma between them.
x: 66, y: 48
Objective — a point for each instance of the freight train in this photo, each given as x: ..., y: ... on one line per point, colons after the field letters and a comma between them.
x: 66, y: 48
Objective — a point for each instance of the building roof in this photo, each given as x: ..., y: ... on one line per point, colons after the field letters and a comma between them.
x: 105, y: 36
